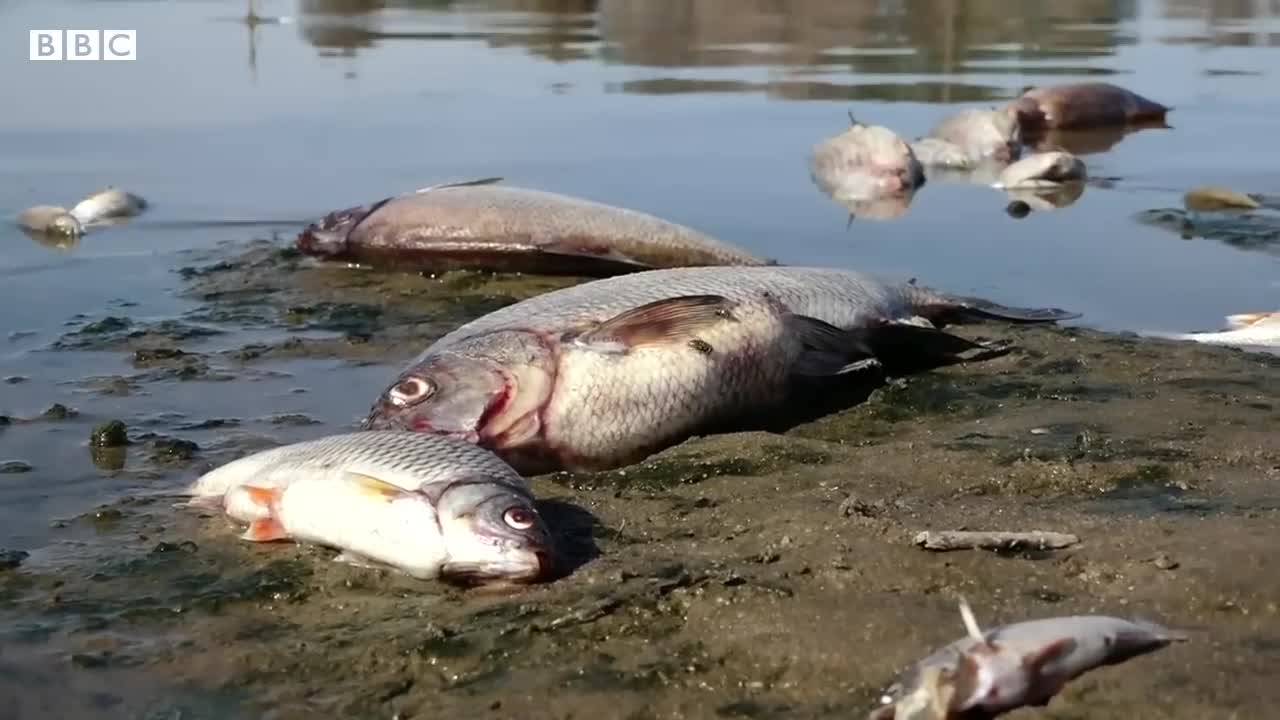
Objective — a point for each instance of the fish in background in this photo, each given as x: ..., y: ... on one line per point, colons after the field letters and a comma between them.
x: 865, y: 162
x: 426, y: 505
x: 482, y: 225
x: 605, y: 373
x: 1080, y: 106
x: 983, y: 135
x: 1243, y: 330
x: 101, y: 207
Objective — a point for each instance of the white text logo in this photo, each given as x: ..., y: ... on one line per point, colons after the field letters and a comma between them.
x: 84, y: 44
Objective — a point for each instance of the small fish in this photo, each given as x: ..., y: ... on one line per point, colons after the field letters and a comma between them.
x: 1259, y: 329
x: 983, y: 135
x: 107, y: 205
x: 1208, y: 198
x: 1023, y: 664
x: 1083, y: 106
x: 429, y: 506
x: 50, y: 220
x: 865, y: 162
x: 605, y: 373
x: 480, y: 225
x: 1042, y: 170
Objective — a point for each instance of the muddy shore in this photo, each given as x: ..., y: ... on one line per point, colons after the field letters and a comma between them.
x: 748, y: 575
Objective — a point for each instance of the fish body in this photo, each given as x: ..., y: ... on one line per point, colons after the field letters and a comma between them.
x: 865, y: 162
x: 50, y: 220
x: 427, y: 505
x: 983, y: 135
x: 480, y: 225
x: 605, y: 373
x: 1083, y: 106
x: 1042, y: 170
x: 1028, y: 663
x: 1243, y: 330
x: 934, y: 152
x: 107, y: 205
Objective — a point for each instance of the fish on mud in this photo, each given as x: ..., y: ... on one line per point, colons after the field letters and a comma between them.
x: 865, y: 162
x: 605, y: 373
x: 1244, y: 330
x: 983, y: 135
x: 50, y: 220
x: 1042, y: 170
x: 1083, y: 106
x: 482, y: 225
x: 108, y: 205
x: 429, y: 506
x: 985, y: 675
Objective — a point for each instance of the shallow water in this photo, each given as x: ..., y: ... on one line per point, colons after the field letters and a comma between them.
x: 700, y: 112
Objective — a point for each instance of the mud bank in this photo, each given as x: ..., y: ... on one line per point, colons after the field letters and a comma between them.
x: 750, y: 575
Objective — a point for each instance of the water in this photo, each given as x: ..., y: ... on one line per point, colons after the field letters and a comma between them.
x: 699, y: 112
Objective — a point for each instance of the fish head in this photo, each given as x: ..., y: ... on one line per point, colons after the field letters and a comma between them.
x: 66, y: 224
x: 493, y: 534
x: 487, y: 390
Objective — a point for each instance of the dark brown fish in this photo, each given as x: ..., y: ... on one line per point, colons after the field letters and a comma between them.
x: 1083, y: 105
x: 478, y: 225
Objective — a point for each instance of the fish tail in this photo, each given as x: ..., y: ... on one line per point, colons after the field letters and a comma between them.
x: 943, y: 308
x: 328, y: 237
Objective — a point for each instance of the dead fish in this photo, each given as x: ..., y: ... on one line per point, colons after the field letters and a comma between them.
x: 986, y: 675
x: 50, y: 220
x: 983, y: 135
x: 1257, y: 329
x: 1208, y: 198
x: 1042, y: 170
x: 933, y: 152
x: 605, y: 373
x: 106, y: 205
x: 865, y: 162
x: 1083, y: 105
x: 478, y: 225
x: 426, y: 505
x: 1052, y: 197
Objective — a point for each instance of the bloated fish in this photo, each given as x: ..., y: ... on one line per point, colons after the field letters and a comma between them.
x: 1042, y: 170
x: 983, y: 135
x: 605, y: 373
x: 480, y: 225
x: 1083, y: 106
x: 426, y: 505
x: 108, y: 205
x: 987, y: 674
x: 865, y: 162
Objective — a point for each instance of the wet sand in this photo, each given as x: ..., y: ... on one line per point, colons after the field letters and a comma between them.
x: 747, y: 575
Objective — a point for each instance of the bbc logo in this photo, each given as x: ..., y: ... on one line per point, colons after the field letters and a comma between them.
x: 84, y: 44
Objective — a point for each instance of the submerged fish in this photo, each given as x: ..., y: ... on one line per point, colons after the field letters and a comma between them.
x: 50, y: 220
x: 106, y: 205
x: 429, y: 506
x: 1042, y: 170
x: 934, y: 152
x: 1083, y: 105
x: 478, y: 225
x: 605, y: 373
x: 1260, y: 329
x: 983, y: 135
x: 865, y: 162
x: 984, y: 675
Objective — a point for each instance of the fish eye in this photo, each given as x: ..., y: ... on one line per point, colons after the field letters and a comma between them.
x: 410, y: 389
x: 518, y: 518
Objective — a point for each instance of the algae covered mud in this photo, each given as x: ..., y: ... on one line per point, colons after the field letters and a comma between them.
x: 746, y: 575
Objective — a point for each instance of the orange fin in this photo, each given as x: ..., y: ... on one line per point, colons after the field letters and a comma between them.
x: 265, y: 530
x: 671, y: 320
x: 264, y: 496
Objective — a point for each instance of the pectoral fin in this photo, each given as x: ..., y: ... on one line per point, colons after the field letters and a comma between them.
x: 376, y: 488
x: 670, y: 321
x: 265, y: 530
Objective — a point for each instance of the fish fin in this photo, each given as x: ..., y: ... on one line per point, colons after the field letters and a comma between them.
x: 1056, y: 650
x: 265, y: 530
x: 460, y: 183
x: 347, y: 557
x: 375, y: 487
x: 1244, y: 320
x: 979, y: 309
x: 904, y: 347
x: 971, y: 626
x: 263, y: 496
x: 828, y: 350
x: 664, y: 321
x: 200, y: 502
x: 610, y: 260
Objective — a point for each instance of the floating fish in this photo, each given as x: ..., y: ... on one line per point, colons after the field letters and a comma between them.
x: 605, y: 373
x: 983, y: 135
x: 865, y: 162
x: 933, y: 152
x: 108, y: 205
x: 1083, y: 105
x: 984, y: 675
x: 426, y: 505
x: 1042, y: 170
x: 480, y: 225
x: 50, y: 220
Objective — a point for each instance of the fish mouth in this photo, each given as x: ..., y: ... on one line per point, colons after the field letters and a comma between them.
x: 379, y: 419
x: 532, y: 566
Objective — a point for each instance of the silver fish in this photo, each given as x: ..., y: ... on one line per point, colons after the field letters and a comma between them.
x: 478, y: 225
x: 108, y: 205
x: 984, y: 135
x: 605, y: 373
x: 429, y: 506
x: 1083, y: 106
x: 986, y: 674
